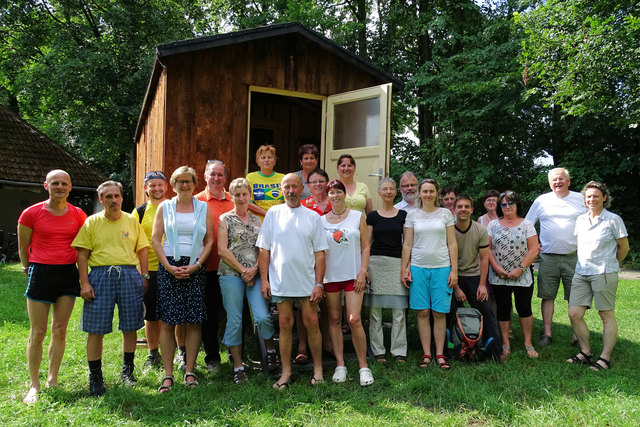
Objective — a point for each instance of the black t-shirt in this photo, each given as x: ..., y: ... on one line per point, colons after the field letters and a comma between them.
x: 387, y: 233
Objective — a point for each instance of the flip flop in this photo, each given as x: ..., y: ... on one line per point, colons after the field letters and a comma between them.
x: 531, y: 352
x: 315, y: 381
x: 301, y: 359
x: 281, y: 386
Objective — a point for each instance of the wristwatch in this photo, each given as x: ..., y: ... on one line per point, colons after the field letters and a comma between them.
x: 146, y: 276
x: 522, y: 267
x: 320, y: 285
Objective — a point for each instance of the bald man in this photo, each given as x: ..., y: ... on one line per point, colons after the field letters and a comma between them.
x: 45, y: 233
x: 292, y: 264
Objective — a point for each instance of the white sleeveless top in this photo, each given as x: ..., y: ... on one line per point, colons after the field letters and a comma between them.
x: 184, y: 224
x: 344, y: 257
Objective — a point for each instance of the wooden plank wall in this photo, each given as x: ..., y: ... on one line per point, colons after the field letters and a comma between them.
x: 150, y: 146
x: 207, y: 94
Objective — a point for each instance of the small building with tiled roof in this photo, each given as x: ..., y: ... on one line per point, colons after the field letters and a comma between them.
x: 26, y: 156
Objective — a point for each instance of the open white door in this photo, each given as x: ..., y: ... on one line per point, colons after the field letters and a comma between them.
x: 358, y: 123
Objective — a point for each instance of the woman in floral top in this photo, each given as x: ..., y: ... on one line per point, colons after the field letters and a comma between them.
x: 237, y: 234
x: 514, y: 247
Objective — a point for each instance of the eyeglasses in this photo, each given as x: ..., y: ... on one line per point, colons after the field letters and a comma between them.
x: 184, y: 181
x: 504, y: 205
x: 317, y: 182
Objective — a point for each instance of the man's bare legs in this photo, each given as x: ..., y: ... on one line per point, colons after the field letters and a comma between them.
x: 314, y: 338
x: 285, y: 320
x: 38, y: 318
x: 152, y: 333
x: 547, y: 308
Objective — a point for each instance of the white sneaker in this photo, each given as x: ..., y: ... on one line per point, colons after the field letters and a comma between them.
x: 366, y: 377
x: 340, y: 374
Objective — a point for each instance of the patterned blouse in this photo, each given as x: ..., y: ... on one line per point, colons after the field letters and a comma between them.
x: 509, y: 247
x: 241, y: 242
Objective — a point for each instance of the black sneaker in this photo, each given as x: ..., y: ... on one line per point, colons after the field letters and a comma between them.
x: 152, y: 362
x: 273, y: 363
x: 126, y: 375
x: 96, y: 383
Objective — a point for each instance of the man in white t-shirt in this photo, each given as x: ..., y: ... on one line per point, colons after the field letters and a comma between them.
x: 557, y: 212
x: 409, y: 191
x: 292, y: 265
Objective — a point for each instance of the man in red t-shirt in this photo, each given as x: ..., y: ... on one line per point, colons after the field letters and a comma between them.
x: 45, y: 233
x: 219, y: 202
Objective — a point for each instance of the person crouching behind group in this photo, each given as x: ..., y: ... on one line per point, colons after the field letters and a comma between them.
x: 187, y: 228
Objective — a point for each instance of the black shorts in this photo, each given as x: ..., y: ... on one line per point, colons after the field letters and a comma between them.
x: 151, y: 298
x: 48, y: 282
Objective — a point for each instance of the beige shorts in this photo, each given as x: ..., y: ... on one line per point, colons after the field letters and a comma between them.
x: 599, y: 287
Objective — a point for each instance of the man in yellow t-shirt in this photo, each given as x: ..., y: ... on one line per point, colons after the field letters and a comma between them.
x: 112, y: 243
x: 155, y: 187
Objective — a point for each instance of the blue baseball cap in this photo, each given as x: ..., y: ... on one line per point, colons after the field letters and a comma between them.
x: 154, y: 175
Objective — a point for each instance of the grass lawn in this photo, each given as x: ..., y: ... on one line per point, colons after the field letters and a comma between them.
x: 547, y: 391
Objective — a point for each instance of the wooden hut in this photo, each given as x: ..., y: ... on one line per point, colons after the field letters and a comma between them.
x: 223, y: 96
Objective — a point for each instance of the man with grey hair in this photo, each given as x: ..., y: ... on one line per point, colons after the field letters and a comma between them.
x: 409, y: 191
x: 292, y: 263
x: 219, y: 202
x: 112, y: 243
x: 557, y: 212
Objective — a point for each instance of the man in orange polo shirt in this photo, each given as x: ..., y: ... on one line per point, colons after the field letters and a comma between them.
x: 219, y: 201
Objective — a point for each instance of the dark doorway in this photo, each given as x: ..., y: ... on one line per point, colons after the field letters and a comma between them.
x: 286, y: 122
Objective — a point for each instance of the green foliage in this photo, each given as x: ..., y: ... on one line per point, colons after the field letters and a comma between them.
x: 585, y: 56
x: 491, y: 87
x: 78, y: 70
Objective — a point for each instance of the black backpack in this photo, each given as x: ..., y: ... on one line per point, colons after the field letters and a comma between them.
x: 466, y: 334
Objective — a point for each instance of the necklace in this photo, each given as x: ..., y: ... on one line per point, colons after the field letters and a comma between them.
x: 338, y: 214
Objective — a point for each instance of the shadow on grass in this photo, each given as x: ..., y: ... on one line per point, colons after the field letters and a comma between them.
x: 546, y: 390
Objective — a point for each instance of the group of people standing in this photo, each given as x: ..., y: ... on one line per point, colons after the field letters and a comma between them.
x: 306, y: 242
